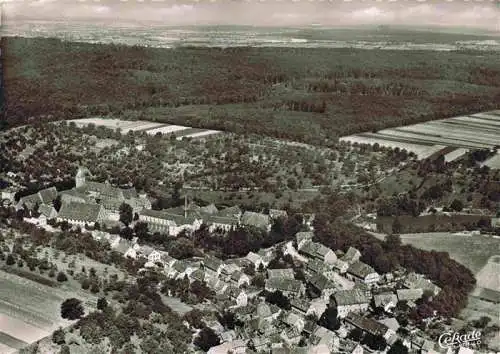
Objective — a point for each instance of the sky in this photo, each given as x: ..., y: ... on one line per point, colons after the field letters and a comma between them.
x: 480, y: 14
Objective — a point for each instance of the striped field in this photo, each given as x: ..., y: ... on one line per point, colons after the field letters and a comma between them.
x: 477, y: 131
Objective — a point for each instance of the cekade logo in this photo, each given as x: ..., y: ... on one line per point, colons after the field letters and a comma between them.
x: 455, y: 339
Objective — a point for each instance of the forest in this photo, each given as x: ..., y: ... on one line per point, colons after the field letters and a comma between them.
x: 310, y: 95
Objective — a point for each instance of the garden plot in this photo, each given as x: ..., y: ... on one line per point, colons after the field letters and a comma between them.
x: 478, y: 131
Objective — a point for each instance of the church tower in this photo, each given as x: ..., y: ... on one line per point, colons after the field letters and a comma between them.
x: 80, y: 177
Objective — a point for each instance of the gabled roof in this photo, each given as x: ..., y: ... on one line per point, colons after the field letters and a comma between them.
x: 163, y: 215
x: 350, y: 297
x: 409, y: 294
x: 212, y: 263
x: 317, y: 266
x: 74, y: 193
x: 225, y: 220
x: 300, y: 304
x: 320, y: 282
x: 366, y: 324
x: 284, y: 285
x: 48, y: 195
x: 254, y: 219
x: 352, y: 255
x: 84, y: 212
x: 360, y: 269
x: 129, y: 193
x: 209, y: 209
x: 233, y: 211
x: 381, y: 300
x: 277, y: 213
x: 304, y: 235
x: 47, y: 210
x: 314, y: 249
x: 286, y: 273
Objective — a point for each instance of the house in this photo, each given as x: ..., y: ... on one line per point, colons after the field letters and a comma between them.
x: 233, y: 211
x: 316, y: 266
x: 48, y: 211
x: 323, y: 285
x: 224, y: 223
x: 237, y: 295
x: 261, y: 344
x: 291, y: 336
x: 341, y: 266
x: 318, y: 306
x: 263, y: 312
x: 354, y: 300
x: 362, y: 272
x: 81, y: 213
x: 289, y: 287
x: 240, y: 278
x: 286, y: 273
x: 367, y: 325
x: 153, y: 255
x: 303, y: 237
x: 213, y: 266
x: 166, y: 222
x: 352, y: 255
x: 300, y: 306
x: 386, y: 301
x: 257, y: 220
x: 72, y: 195
x: 323, y: 336
x: 391, y: 323
x: 318, y: 251
x: 257, y: 260
x: 277, y: 213
x: 44, y: 196
x: 409, y: 295
x: 418, y: 281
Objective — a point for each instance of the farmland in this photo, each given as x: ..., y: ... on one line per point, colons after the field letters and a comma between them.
x: 29, y: 317
x: 477, y: 131
x: 149, y: 128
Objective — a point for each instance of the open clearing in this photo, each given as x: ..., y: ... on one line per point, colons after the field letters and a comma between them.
x: 149, y: 128
x: 477, y: 131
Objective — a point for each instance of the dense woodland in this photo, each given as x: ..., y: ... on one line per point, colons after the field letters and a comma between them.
x: 312, y: 95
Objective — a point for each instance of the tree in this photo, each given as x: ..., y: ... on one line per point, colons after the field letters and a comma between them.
x: 398, y: 348
x: 58, y: 336
x: 457, y: 205
x: 126, y: 213
x: 11, y: 260
x: 329, y: 319
x: 102, y: 303
x: 396, y: 226
x: 206, y: 339
x: 72, y: 309
x: 61, y: 277
x: 57, y: 203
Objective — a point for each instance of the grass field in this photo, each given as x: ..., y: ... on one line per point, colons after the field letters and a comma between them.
x: 471, y: 251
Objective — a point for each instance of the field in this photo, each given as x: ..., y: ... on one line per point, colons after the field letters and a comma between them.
x: 31, y: 316
x: 471, y: 251
x: 477, y: 131
x: 148, y: 127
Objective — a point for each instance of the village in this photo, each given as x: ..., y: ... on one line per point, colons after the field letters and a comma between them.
x: 297, y: 296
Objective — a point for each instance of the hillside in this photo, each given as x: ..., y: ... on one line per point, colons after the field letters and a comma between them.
x: 312, y: 95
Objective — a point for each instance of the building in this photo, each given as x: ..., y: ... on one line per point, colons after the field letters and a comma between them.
x: 351, y: 256
x: 257, y: 220
x: 240, y: 278
x: 286, y: 273
x: 368, y: 325
x: 409, y: 295
x: 386, y: 301
x: 81, y: 213
x: 303, y: 237
x: 224, y: 223
x: 362, y: 272
x: 300, y: 306
x: 169, y: 223
x: 354, y: 300
x: 48, y: 211
x: 289, y: 287
x: 318, y: 251
x: 256, y: 259
x: 45, y: 196
x: 323, y: 336
x: 323, y: 285
x: 277, y: 213
x: 213, y: 266
x: 418, y: 281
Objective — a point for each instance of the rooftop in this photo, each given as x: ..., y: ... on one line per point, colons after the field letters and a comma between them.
x: 85, y: 212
